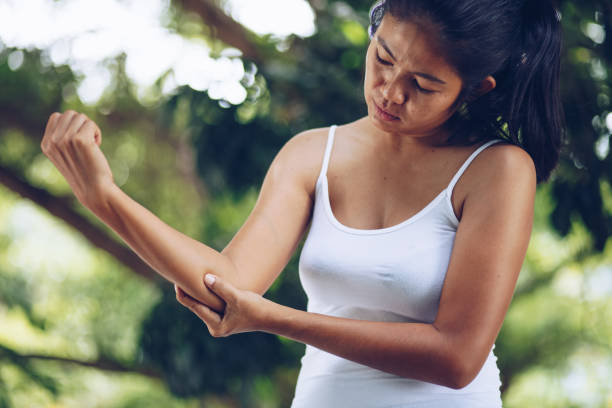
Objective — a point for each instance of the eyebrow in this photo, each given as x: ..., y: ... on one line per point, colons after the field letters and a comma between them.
x: 421, y: 74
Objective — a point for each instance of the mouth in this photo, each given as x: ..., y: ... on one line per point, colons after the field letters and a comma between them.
x: 384, y: 114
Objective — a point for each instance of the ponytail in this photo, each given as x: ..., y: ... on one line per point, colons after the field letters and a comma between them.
x: 535, y: 113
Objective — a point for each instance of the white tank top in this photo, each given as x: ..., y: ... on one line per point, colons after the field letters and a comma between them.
x: 392, y: 274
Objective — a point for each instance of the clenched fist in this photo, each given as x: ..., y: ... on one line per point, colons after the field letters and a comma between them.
x: 72, y: 143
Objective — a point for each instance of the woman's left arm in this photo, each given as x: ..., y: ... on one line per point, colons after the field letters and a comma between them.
x: 488, y: 252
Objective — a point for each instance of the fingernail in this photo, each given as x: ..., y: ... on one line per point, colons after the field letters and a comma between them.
x: 210, y: 279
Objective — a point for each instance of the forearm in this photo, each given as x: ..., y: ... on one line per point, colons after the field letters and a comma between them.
x: 412, y: 350
x: 175, y: 256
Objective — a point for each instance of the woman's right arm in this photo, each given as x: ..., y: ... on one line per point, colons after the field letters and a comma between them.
x: 174, y: 255
x: 252, y: 260
x: 257, y: 253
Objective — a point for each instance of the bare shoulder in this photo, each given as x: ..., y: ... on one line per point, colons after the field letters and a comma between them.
x: 504, y: 165
x: 507, y: 157
x: 502, y: 172
x: 301, y: 157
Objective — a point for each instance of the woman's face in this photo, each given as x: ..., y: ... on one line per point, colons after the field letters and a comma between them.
x: 409, y: 88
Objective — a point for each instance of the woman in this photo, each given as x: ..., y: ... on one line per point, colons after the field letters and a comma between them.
x: 420, y: 213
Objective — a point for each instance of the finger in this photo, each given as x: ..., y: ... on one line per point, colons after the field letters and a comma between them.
x: 220, y: 287
x: 87, y: 132
x: 62, y: 126
x: 183, y: 298
x: 92, y: 131
x: 205, y: 313
x: 75, y: 124
x: 214, y: 302
x: 210, y: 317
x: 51, y: 124
x: 97, y: 134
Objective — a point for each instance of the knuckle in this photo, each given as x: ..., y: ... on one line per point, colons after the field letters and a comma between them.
x: 46, y: 148
x: 232, y: 299
x: 87, y: 126
x: 76, y: 141
x: 237, y: 302
x: 219, y: 331
x: 62, y: 144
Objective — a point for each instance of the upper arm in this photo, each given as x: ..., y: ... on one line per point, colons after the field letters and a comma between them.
x: 265, y: 243
x: 489, y: 249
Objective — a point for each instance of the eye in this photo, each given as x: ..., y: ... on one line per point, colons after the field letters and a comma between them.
x: 425, y: 91
x: 380, y: 60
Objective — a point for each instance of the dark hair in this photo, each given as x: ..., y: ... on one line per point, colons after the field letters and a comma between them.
x: 518, y: 42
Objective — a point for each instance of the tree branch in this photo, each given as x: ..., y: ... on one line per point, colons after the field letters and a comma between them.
x: 100, y: 364
x: 223, y: 27
x: 61, y: 208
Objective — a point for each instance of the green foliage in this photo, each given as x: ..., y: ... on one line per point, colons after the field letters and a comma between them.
x: 14, y: 293
x: 586, y: 95
x: 232, y: 152
x: 99, y: 310
x: 18, y: 89
x: 28, y: 370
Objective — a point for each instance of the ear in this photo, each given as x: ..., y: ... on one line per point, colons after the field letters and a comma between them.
x: 487, y: 85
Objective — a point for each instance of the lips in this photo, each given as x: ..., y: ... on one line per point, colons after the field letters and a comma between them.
x: 386, y: 115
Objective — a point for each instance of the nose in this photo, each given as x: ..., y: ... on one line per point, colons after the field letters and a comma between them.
x: 393, y: 91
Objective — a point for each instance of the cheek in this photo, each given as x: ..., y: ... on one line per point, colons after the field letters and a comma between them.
x: 369, y: 73
x: 446, y: 105
x: 373, y: 79
x: 437, y: 104
x: 373, y: 72
x: 428, y: 110
x: 369, y: 80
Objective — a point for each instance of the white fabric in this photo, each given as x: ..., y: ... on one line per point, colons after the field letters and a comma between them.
x: 392, y: 274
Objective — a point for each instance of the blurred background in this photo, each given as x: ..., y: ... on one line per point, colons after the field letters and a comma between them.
x: 194, y: 98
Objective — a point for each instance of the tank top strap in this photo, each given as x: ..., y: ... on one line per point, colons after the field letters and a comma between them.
x: 328, y: 148
x: 469, y: 160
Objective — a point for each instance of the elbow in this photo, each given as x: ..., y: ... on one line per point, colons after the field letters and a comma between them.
x: 460, y: 357
x: 460, y: 371
x: 459, y: 380
x: 193, y: 285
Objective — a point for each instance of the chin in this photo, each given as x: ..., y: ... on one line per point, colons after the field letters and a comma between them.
x: 383, y: 124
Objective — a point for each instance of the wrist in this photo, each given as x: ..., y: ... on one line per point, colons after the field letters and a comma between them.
x: 272, y: 316
x: 100, y: 202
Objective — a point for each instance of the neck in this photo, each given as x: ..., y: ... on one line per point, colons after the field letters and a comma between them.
x: 404, y: 143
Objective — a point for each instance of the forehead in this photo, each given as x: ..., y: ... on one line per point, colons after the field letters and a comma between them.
x: 414, y: 44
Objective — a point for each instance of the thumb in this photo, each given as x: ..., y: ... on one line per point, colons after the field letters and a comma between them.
x: 219, y: 286
x: 97, y: 134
